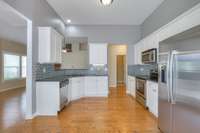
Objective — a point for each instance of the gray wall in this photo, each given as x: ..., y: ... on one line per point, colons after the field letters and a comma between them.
x: 108, y: 34
x: 166, y: 12
x: 14, y: 33
x: 41, y: 14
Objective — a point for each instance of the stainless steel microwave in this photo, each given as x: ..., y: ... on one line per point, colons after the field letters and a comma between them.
x: 149, y: 56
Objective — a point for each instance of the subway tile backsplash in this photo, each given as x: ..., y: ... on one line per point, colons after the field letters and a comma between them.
x: 141, y: 69
x: 47, y: 71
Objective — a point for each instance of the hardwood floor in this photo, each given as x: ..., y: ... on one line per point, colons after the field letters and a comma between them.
x: 118, y: 113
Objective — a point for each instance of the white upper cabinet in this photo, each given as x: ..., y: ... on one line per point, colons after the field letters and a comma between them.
x: 149, y: 42
x: 139, y: 47
x: 50, y: 45
x: 98, y: 53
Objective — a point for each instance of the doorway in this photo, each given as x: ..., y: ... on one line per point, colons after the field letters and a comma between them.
x: 117, y: 64
x: 121, y: 61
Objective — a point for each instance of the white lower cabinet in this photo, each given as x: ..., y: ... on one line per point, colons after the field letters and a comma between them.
x: 131, y: 89
x: 152, y: 97
x: 102, y: 86
x: 91, y: 86
x: 96, y: 86
x: 77, y: 87
x: 50, y: 98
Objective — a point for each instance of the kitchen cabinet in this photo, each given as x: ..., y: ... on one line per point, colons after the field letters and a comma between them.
x: 98, y: 53
x: 147, y: 43
x: 152, y: 97
x: 102, y: 86
x: 139, y: 48
x: 96, y: 86
x: 77, y: 88
x: 131, y: 86
x: 50, y: 98
x: 50, y: 45
x: 90, y: 86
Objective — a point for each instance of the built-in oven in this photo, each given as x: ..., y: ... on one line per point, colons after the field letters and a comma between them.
x: 149, y: 56
x: 141, y: 91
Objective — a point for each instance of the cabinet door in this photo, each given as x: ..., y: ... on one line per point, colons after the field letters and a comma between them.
x: 132, y: 86
x: 75, y: 88
x: 155, y: 99
x: 149, y: 96
x: 152, y: 97
x: 98, y: 53
x: 59, y: 43
x: 53, y: 46
x: 90, y: 86
x: 102, y: 86
x: 82, y: 87
x: 138, y: 52
x: 129, y: 85
x: 44, y: 45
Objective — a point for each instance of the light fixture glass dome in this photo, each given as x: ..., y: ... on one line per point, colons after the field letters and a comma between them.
x: 106, y: 2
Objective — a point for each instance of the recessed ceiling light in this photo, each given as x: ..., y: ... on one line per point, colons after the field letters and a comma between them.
x: 106, y: 2
x: 69, y: 21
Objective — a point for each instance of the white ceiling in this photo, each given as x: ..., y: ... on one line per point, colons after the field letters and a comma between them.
x: 91, y: 12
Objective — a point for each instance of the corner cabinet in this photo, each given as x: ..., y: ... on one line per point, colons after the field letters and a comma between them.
x: 50, y: 45
x: 76, y: 88
x: 98, y: 53
x: 89, y: 86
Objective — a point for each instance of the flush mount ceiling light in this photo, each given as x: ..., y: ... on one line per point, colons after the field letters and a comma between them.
x: 106, y: 2
x: 69, y: 21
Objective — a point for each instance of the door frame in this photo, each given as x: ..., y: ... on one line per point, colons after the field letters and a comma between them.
x: 126, y: 73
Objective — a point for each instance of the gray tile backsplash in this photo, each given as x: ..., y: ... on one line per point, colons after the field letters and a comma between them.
x: 141, y: 69
x: 47, y: 71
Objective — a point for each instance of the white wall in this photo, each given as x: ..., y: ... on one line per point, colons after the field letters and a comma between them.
x: 113, y: 51
x: 129, y: 35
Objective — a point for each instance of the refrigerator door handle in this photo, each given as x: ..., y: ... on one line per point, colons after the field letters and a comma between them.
x: 168, y: 77
x: 172, y: 74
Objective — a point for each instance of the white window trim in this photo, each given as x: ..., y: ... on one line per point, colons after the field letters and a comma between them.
x: 14, y: 79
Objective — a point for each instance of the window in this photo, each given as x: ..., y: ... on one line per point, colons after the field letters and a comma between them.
x: 14, y: 66
x: 11, y: 66
x: 23, y: 62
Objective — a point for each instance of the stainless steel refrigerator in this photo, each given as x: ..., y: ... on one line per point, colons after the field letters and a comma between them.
x: 179, y: 83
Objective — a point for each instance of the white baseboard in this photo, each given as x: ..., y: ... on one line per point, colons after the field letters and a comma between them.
x: 7, y: 89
